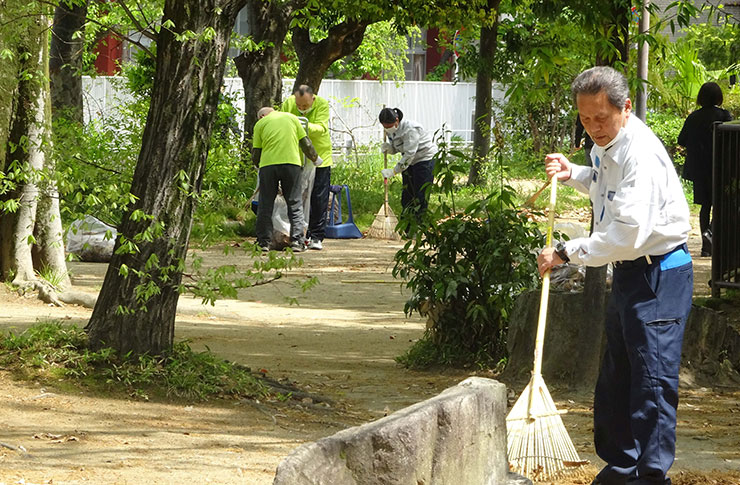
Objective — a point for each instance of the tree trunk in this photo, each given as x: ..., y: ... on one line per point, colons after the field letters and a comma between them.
x: 48, y: 251
x: 573, y: 342
x: 49, y: 234
x: 534, y: 129
x: 483, y: 81
x: 595, y: 280
x: 315, y: 58
x: 259, y: 70
x: 65, y: 61
x: 9, y: 78
x: 27, y: 146
x: 137, y: 312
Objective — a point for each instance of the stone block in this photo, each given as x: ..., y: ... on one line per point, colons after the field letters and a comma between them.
x: 457, y: 437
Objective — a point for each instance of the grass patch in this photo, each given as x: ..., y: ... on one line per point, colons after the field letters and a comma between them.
x: 56, y: 353
x: 54, y: 278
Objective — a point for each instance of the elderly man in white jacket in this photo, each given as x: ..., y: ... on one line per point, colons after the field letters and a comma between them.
x: 641, y: 224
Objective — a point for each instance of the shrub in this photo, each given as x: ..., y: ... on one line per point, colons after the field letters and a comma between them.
x: 465, y: 270
x: 667, y: 126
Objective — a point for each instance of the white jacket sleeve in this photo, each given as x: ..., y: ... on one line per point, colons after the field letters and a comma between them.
x: 410, y: 147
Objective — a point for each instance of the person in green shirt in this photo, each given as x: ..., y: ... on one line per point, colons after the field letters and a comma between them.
x: 315, y: 109
x: 277, y: 141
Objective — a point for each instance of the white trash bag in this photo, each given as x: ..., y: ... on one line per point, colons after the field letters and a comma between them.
x: 280, y: 224
x: 91, y: 239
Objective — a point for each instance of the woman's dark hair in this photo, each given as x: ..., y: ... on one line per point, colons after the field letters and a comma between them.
x: 390, y: 115
x: 710, y: 94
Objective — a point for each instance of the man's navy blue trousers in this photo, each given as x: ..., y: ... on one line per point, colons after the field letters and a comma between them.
x: 637, y: 391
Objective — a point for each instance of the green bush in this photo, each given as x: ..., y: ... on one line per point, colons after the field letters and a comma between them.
x: 465, y: 270
x: 732, y: 101
x: 667, y: 126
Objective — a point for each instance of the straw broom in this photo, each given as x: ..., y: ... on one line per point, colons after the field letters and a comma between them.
x: 384, y: 225
x: 538, y: 444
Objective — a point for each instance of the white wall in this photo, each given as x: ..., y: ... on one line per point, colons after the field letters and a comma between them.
x: 354, y: 104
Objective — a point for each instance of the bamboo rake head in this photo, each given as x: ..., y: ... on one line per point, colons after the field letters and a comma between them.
x: 538, y: 444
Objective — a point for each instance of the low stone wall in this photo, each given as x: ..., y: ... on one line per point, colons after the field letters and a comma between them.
x: 711, y: 346
x: 574, y: 342
x: 457, y: 437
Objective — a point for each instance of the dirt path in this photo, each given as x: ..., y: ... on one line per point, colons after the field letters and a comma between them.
x: 339, y: 342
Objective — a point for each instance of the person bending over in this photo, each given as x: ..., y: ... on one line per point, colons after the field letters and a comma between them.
x: 278, y: 137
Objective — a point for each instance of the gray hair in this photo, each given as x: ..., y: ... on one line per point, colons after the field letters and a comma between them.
x: 602, y: 78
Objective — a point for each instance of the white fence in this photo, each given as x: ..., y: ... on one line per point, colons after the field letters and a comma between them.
x: 354, y: 104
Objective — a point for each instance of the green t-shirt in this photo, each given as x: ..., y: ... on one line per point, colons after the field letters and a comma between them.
x: 318, y: 125
x: 277, y: 134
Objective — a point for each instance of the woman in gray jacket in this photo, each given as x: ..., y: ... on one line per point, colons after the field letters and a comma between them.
x: 416, y: 165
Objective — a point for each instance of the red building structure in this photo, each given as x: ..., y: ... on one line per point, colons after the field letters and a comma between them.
x: 109, y: 52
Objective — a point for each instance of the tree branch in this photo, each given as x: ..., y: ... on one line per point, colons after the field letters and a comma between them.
x: 149, y: 35
x: 194, y: 286
x: 80, y: 159
x: 112, y: 30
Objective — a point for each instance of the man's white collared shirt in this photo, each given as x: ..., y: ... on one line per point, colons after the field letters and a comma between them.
x: 638, y: 202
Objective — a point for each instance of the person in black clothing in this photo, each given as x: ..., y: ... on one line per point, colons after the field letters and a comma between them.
x: 696, y: 135
x: 587, y: 141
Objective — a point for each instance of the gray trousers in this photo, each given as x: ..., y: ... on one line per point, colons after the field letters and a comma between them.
x: 287, y: 176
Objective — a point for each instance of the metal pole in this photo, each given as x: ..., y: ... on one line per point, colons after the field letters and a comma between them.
x: 642, y: 64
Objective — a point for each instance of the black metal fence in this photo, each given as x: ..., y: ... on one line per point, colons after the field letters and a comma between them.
x: 726, y: 208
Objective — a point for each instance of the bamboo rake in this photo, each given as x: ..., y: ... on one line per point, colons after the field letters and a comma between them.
x: 384, y: 225
x: 538, y: 444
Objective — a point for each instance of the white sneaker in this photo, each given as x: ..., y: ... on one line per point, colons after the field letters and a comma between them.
x: 297, y: 246
x: 315, y: 244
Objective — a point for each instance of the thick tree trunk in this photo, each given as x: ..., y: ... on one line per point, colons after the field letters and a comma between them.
x: 483, y: 81
x: 574, y: 339
x: 315, y: 58
x: 31, y: 235
x: 595, y: 280
x: 260, y: 70
x: 65, y: 61
x: 137, y: 312
x: 48, y: 232
x: 48, y: 249
x: 16, y: 228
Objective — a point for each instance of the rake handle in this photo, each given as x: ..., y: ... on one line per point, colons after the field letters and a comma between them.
x: 544, y: 297
x: 385, y: 180
x: 534, y: 196
x: 385, y: 202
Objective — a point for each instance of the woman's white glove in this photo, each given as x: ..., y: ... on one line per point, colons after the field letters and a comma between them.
x: 318, y: 161
x: 388, y: 173
x: 386, y: 147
